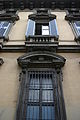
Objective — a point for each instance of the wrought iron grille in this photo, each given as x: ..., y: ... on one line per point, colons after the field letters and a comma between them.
x: 40, y: 96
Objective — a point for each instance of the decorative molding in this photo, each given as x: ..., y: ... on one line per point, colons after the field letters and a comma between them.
x: 42, y: 14
x: 41, y: 58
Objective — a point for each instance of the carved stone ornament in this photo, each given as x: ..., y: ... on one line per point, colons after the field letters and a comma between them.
x: 41, y: 59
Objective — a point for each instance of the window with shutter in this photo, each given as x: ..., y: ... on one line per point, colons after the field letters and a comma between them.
x: 42, y: 24
x: 5, y: 27
x: 73, y: 16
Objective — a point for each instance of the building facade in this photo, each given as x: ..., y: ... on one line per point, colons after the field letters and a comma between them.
x: 39, y: 57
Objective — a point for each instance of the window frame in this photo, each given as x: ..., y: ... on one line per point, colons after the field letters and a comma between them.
x: 42, y: 18
x: 39, y: 60
x: 39, y: 103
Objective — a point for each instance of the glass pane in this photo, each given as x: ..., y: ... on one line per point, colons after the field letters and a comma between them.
x: 77, y: 23
x: 32, y: 113
x: 47, y: 84
x: 47, y: 96
x: 5, y: 24
x: 45, y: 27
x: 34, y: 83
x: 33, y: 96
x: 48, y: 113
x: 45, y: 32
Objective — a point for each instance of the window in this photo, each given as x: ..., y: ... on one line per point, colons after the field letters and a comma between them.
x: 49, y: 28
x: 41, y: 95
x: 42, y: 29
x: 40, y: 99
x: 42, y: 24
x: 76, y: 29
x: 73, y: 16
x: 77, y: 26
x: 4, y: 29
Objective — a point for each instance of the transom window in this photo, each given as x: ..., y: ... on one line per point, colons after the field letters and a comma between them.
x: 40, y: 99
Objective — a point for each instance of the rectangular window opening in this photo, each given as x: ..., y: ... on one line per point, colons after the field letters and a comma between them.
x: 42, y: 29
x: 40, y: 101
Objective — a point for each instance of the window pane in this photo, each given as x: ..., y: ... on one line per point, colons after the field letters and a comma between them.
x: 48, y: 113
x: 45, y: 27
x: 32, y: 113
x: 47, y: 96
x: 77, y: 23
x: 33, y: 96
x: 34, y: 83
x: 47, y: 84
x: 5, y: 24
x: 45, y: 30
x: 40, y: 93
